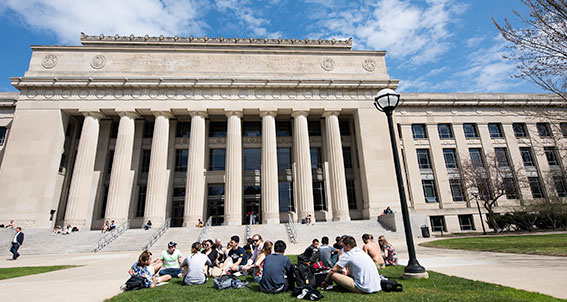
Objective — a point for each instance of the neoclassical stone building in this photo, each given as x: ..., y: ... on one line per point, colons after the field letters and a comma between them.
x: 151, y: 128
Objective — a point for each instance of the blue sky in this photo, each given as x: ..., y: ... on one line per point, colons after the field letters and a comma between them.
x: 432, y: 45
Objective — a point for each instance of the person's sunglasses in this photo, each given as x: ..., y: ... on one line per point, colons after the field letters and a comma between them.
x: 256, y: 240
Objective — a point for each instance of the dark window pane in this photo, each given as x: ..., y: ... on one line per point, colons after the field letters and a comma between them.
x: 543, y: 129
x: 560, y: 186
x: 319, y: 196
x: 527, y: 157
x: 347, y: 157
x: 563, y: 127
x: 252, y: 129
x: 114, y: 130
x: 283, y: 128
x: 217, y: 129
x: 510, y: 188
x: 429, y: 190
x: 285, y: 193
x: 501, y: 157
x: 418, y: 131
x: 181, y: 160
x: 314, y: 128
x: 445, y: 131
x: 215, y: 190
x: 316, y: 160
x: 457, y: 190
x: 551, y: 156
x: 470, y: 130
x: 495, y: 130
x: 252, y: 159
x: 146, y: 154
x: 520, y: 130
x: 351, y: 195
x: 344, y: 127
x: 466, y: 222
x: 140, y: 207
x: 450, y: 158
x: 183, y: 129
x: 535, y: 187
x: 148, y: 129
x: 284, y: 158
x: 2, y: 135
x: 217, y: 159
x: 423, y: 159
x: 476, y: 157
x: 438, y: 223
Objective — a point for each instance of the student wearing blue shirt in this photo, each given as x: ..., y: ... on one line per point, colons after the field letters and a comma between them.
x: 236, y: 256
x: 276, y: 267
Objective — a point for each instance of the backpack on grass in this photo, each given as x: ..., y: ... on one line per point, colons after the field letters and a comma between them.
x: 134, y: 283
x: 391, y: 286
x: 228, y: 281
x: 303, y: 274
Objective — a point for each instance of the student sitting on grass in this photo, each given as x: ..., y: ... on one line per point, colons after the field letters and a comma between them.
x: 361, y: 275
x: 171, y: 259
x: 146, y: 270
x: 388, y: 252
x: 276, y: 267
x: 236, y: 257
x: 259, y: 263
x: 194, y: 266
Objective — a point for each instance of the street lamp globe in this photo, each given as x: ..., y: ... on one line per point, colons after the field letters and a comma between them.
x: 386, y: 100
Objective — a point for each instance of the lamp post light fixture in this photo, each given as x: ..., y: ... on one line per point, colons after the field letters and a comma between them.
x: 386, y: 101
x: 475, y: 193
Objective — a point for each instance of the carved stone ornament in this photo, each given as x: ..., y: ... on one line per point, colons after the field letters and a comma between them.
x: 369, y: 65
x: 49, y: 61
x: 98, y: 62
x: 328, y: 64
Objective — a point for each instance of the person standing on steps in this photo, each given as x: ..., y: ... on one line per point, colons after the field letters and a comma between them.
x: 17, y: 241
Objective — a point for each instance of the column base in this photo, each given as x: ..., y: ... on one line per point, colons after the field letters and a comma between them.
x: 79, y: 223
x: 270, y: 218
x: 302, y: 215
x: 233, y: 219
x: 156, y: 221
x: 341, y: 218
x: 117, y: 221
x: 192, y: 221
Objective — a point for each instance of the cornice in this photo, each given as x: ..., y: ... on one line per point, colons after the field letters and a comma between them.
x: 480, y: 99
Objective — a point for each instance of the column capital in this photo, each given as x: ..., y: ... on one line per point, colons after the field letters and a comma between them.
x: 329, y: 112
x: 230, y: 113
x: 296, y: 113
x: 164, y: 113
x: 131, y: 114
x: 201, y: 113
x: 93, y: 113
x: 268, y: 112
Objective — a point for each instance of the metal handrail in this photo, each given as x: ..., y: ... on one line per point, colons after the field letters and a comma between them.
x: 205, y: 229
x: 291, y: 229
x: 249, y: 228
x: 157, y: 234
x: 110, y: 236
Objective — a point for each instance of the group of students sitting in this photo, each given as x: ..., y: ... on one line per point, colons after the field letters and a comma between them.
x: 347, y: 265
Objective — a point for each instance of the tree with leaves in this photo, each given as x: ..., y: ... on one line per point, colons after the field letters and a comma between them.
x: 539, y: 44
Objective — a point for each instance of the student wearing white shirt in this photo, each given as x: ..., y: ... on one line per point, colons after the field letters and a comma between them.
x: 194, y: 266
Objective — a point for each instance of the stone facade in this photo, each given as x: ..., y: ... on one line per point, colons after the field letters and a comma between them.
x: 151, y: 128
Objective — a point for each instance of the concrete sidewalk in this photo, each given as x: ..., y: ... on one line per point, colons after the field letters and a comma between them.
x: 102, y: 274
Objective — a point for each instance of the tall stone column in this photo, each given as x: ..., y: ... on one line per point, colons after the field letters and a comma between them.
x: 77, y: 211
x: 195, y: 188
x: 233, y: 190
x: 337, y: 176
x: 121, y: 177
x: 270, y: 197
x: 303, y: 172
x: 158, y: 176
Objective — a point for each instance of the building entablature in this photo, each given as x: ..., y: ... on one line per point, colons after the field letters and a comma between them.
x: 480, y: 99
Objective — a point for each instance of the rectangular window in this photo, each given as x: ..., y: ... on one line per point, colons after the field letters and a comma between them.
x: 103, y: 202
x: 140, y: 207
x: 3, y: 131
x: 438, y: 223
x: 316, y: 160
x: 314, y: 128
x: 510, y: 188
x: 418, y: 131
x: 560, y: 186
x: 148, y: 129
x: 217, y: 159
x: 319, y: 196
x: 283, y: 128
x: 183, y: 129
x: 344, y: 127
x: 535, y: 187
x: 476, y: 157
x: 351, y: 196
x: 457, y: 190
x: 181, y: 160
x: 470, y: 130
x: 501, y: 157
x: 527, y: 156
x: 445, y: 131
x: 520, y: 130
x: 551, y: 156
x: 285, y: 193
x: 217, y: 129
x: 466, y: 223
x: 284, y: 158
x: 114, y: 130
x: 429, y: 190
x: 252, y: 129
x: 252, y: 159
x: 495, y: 130
x: 563, y: 127
x: 146, y: 154
x: 543, y: 129
x: 347, y: 157
x: 450, y: 158
x: 423, y: 159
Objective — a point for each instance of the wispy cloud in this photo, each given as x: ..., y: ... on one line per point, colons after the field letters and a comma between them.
x: 248, y: 17
x: 66, y: 18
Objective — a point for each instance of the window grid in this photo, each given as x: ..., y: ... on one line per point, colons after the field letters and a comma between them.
x: 457, y: 190
x: 535, y: 187
x: 560, y: 186
x: 476, y: 157
x: 551, y: 156
x: 429, y: 190
x: 501, y: 157
x: 466, y: 222
x: 418, y: 131
x: 450, y: 158
x: 438, y: 223
x: 543, y: 129
x: 527, y: 156
x: 423, y: 159
x: 495, y: 130
x: 470, y: 130
x: 520, y: 130
x: 445, y: 131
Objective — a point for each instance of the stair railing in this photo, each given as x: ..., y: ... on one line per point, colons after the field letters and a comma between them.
x: 249, y: 228
x: 205, y: 229
x: 291, y: 229
x: 111, y: 235
x: 157, y: 234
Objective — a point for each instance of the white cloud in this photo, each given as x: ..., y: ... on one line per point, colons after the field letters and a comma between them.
x: 67, y: 18
x: 247, y: 16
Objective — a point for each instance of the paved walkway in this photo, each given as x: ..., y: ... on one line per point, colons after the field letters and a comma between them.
x: 102, y: 274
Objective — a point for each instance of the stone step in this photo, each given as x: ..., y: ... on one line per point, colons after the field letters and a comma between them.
x: 38, y: 241
x: 131, y: 240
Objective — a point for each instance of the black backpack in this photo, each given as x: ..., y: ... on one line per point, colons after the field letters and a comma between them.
x: 134, y: 283
x: 391, y: 286
x: 303, y: 274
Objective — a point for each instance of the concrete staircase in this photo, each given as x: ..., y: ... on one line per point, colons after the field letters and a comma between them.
x: 42, y: 242
x: 131, y: 240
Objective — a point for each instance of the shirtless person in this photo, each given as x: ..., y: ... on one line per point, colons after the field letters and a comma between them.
x: 373, y: 250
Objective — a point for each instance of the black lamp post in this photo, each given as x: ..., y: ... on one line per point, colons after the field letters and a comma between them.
x: 475, y: 194
x: 386, y: 101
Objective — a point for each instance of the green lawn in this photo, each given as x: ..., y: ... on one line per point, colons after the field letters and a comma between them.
x: 551, y: 245
x: 438, y: 287
x: 14, y: 272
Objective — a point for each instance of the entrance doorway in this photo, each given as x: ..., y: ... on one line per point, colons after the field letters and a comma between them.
x: 215, y: 203
x: 252, y: 199
x: 178, y: 207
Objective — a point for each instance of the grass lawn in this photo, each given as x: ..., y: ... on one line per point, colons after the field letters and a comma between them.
x: 551, y: 245
x: 14, y: 272
x: 438, y: 287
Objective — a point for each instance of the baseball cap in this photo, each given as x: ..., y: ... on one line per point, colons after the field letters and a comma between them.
x: 171, y: 243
